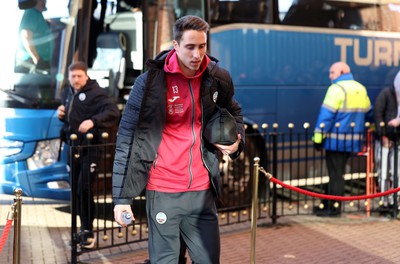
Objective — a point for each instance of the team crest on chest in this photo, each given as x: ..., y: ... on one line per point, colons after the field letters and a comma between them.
x: 82, y: 96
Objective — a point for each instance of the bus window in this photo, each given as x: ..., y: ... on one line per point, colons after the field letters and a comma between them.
x: 185, y: 7
x: 240, y: 11
x: 310, y: 14
x: 390, y: 17
x: 355, y: 15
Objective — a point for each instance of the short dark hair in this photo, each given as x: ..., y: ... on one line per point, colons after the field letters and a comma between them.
x: 189, y: 23
x: 78, y: 65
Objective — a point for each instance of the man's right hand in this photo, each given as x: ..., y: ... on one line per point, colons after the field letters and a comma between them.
x: 119, y: 209
x: 61, y: 112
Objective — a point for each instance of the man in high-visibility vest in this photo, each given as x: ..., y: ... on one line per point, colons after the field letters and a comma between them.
x: 340, y: 129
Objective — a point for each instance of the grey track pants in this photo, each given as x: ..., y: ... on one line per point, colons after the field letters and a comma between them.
x: 191, y: 215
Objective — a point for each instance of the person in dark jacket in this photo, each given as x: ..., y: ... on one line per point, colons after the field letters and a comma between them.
x: 86, y: 108
x: 160, y: 147
x: 387, y: 121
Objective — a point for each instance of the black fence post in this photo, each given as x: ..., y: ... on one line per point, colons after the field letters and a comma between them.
x: 306, y: 126
x: 274, y: 173
x: 73, y: 154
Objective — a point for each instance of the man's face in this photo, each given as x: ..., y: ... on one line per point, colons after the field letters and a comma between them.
x: 334, y: 72
x: 191, y: 50
x: 77, y: 79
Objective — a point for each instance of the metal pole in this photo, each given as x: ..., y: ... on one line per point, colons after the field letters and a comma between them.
x: 395, y: 177
x: 17, y: 226
x: 254, y: 211
x: 73, y: 155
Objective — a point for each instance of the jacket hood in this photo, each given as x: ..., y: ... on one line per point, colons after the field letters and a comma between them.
x: 344, y: 77
x: 158, y: 61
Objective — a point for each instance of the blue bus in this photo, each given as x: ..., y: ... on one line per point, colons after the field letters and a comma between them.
x: 277, y: 51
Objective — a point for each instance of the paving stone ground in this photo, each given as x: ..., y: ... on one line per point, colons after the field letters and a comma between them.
x: 351, y: 238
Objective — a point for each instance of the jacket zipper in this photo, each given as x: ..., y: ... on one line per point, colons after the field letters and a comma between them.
x: 193, y: 134
x: 70, y: 109
x: 155, y: 161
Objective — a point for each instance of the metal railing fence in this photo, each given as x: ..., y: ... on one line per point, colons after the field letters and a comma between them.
x: 289, y: 156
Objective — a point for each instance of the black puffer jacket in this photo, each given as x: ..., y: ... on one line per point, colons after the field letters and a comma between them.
x: 91, y: 102
x: 385, y: 109
x: 143, y: 121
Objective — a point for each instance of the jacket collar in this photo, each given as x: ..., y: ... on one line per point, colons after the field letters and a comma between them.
x: 344, y: 77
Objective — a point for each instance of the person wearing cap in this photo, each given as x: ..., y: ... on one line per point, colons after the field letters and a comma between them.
x: 340, y: 129
x: 387, y: 122
x: 161, y: 147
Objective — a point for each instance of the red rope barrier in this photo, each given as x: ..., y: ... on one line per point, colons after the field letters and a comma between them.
x: 5, y: 234
x: 327, y: 196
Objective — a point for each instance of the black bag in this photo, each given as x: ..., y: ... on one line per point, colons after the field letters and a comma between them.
x: 221, y: 128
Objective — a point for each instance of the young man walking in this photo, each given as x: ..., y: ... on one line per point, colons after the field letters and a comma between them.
x: 160, y: 147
